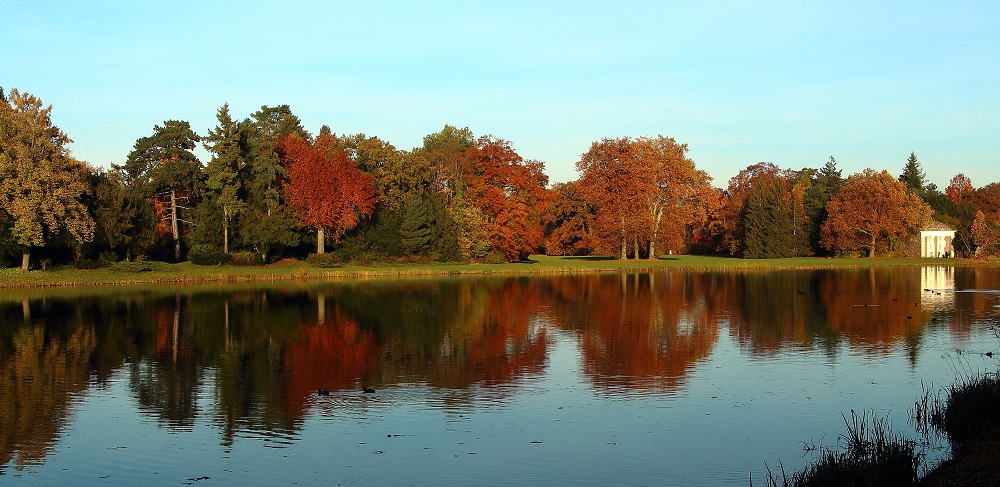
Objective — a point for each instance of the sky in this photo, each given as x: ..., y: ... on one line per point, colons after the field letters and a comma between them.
x: 791, y: 83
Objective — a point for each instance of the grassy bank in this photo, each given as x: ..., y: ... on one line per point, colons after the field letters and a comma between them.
x: 157, y: 272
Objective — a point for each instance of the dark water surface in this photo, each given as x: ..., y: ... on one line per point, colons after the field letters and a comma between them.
x: 667, y: 378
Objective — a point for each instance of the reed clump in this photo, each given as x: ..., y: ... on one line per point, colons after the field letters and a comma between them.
x: 970, y: 411
x: 869, y: 454
x: 966, y: 412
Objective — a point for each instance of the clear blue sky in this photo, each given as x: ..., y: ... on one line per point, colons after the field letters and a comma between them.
x: 740, y: 82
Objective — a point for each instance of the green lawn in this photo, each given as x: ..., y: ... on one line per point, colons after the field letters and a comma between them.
x: 539, y: 264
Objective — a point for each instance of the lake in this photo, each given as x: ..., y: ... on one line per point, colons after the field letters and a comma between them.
x: 664, y: 378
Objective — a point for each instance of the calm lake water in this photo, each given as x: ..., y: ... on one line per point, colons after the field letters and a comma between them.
x: 665, y: 378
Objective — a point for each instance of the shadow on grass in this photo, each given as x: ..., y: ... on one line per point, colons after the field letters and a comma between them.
x: 602, y: 258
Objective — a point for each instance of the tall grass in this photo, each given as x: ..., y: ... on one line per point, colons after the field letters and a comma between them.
x: 965, y: 412
x: 869, y: 454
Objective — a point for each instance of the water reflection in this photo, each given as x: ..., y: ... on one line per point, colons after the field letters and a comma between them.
x: 261, y: 353
x: 641, y: 330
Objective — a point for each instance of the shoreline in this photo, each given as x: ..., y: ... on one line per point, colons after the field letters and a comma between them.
x: 290, y: 270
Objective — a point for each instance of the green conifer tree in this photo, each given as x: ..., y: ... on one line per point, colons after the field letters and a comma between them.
x: 913, y: 175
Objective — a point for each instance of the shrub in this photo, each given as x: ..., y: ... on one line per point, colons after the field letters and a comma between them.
x: 246, y: 259
x: 139, y: 266
x: 207, y: 255
x: 369, y: 258
x: 90, y: 264
x: 324, y: 260
x: 494, y: 257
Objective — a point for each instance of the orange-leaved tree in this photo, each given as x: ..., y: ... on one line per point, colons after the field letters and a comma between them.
x: 568, y: 221
x: 510, y: 193
x: 611, y: 175
x: 959, y: 188
x: 986, y: 235
x: 872, y: 208
x: 672, y: 194
x: 647, y: 191
x: 324, y: 188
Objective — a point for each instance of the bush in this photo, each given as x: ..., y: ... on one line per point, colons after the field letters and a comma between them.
x: 246, y: 259
x: 207, y: 255
x: 324, y: 260
x: 139, y: 266
x: 494, y: 257
x: 370, y: 258
x: 89, y: 264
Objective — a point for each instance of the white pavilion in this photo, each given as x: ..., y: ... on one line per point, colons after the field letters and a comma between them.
x: 936, y: 240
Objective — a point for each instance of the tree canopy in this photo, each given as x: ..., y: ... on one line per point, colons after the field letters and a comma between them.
x: 270, y: 185
x: 873, y: 208
x: 326, y: 189
x: 41, y: 185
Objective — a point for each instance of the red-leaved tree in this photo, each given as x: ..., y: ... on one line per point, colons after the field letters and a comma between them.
x: 510, y: 193
x: 324, y: 188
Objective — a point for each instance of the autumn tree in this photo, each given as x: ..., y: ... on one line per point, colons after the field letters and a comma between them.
x: 445, y: 151
x: 224, y: 187
x: 163, y: 167
x: 986, y: 235
x: 325, y: 189
x: 397, y: 176
x: 568, y: 221
x: 610, y: 176
x: 872, y: 208
x: 959, y: 188
x: 510, y: 194
x: 764, y: 213
x: 673, y: 192
x: 41, y: 185
x: 445, y: 154
x: 647, y: 191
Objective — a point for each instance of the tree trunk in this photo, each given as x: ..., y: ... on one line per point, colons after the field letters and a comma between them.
x: 25, y: 258
x: 658, y: 216
x: 871, y: 251
x: 225, y: 231
x: 320, y: 241
x: 624, y: 248
x: 174, y: 230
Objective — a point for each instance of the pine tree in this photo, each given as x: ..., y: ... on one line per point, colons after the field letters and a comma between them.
x: 913, y: 175
x: 826, y: 184
x: 222, y: 172
x: 767, y: 223
x: 264, y: 224
x: 163, y: 166
x: 415, y: 228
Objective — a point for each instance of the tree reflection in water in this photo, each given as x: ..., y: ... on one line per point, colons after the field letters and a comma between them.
x: 261, y: 352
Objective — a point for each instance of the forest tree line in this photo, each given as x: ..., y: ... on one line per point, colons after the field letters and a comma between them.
x: 272, y: 190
